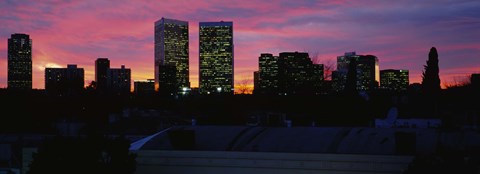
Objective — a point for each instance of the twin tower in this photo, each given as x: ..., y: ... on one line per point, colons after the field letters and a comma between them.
x: 172, y: 57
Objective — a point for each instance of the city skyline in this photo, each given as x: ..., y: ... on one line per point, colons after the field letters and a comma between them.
x: 398, y: 33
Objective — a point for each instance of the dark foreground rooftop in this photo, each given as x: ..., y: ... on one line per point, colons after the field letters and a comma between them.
x: 333, y: 140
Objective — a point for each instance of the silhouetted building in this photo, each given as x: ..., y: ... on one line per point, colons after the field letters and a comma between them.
x: 475, y: 80
x: 119, y: 80
x: 216, y: 57
x: 146, y: 87
x: 194, y: 91
x: 167, y: 79
x: 64, y: 81
x: 256, y: 81
x: 327, y: 86
x: 291, y: 73
x: 367, y: 75
x: 19, y: 62
x: 171, y: 50
x: 268, y: 74
x: 415, y: 87
x: 102, y: 67
x: 394, y: 80
x: 298, y: 75
x: 352, y: 79
x: 112, y: 81
x: 318, y: 78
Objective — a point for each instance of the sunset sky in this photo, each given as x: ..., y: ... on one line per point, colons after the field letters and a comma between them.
x: 399, y: 33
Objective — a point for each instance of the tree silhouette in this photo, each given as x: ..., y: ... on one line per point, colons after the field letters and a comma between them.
x: 243, y: 87
x: 430, y: 78
x: 328, y: 68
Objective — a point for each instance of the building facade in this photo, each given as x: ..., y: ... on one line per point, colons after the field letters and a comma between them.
x: 318, y: 78
x: 394, y: 80
x: 475, y: 80
x: 64, y: 81
x: 367, y: 71
x: 102, y: 66
x: 19, y: 62
x: 290, y: 73
x: 171, y: 49
x: 268, y: 74
x: 256, y: 81
x: 145, y: 88
x: 298, y: 75
x: 112, y: 81
x: 119, y: 80
x: 216, y: 57
x: 168, y: 85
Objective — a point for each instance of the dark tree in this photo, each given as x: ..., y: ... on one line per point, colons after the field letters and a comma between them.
x: 430, y: 78
x: 83, y: 155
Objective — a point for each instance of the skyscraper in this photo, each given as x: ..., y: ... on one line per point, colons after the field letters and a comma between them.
x: 368, y: 72
x: 171, y: 49
x: 64, y: 81
x: 394, y: 80
x: 216, y: 57
x: 367, y: 75
x: 19, y: 62
x: 102, y: 66
x: 268, y: 74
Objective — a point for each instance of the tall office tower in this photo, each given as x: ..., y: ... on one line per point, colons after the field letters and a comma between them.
x: 119, y: 80
x: 268, y: 74
x: 368, y: 75
x: 19, y: 62
x: 102, y: 66
x: 394, y: 80
x: 171, y: 49
x: 216, y: 57
x: 64, y: 81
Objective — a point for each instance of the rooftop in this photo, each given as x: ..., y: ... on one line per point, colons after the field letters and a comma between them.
x: 337, y: 140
